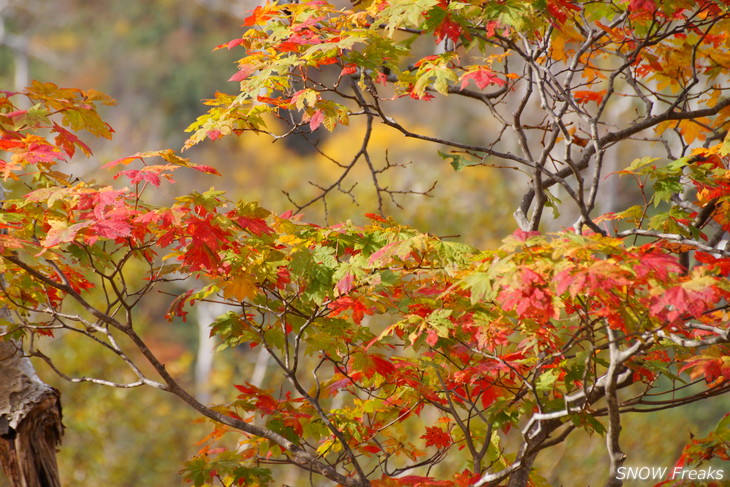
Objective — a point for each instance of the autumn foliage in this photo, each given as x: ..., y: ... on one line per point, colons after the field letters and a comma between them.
x: 400, y: 349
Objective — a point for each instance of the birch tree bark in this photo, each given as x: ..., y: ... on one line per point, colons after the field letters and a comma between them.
x: 30, y: 422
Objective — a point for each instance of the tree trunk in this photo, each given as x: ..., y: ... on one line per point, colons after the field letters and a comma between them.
x: 30, y: 422
x: 542, y: 431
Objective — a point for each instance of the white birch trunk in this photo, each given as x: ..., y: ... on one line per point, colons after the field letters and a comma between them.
x: 30, y: 421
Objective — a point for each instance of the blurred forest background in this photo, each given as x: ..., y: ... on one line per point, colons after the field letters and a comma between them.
x: 155, y: 57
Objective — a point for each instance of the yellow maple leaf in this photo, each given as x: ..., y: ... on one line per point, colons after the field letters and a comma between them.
x: 694, y: 129
x: 240, y: 288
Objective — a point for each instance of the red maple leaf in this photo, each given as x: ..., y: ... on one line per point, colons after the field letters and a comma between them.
x: 380, y: 365
x: 376, y: 217
x: 676, y: 302
x: 722, y: 265
x: 522, y: 235
x: 660, y: 264
x: 205, y: 169
x: 6, y: 144
x: 448, y: 29
x: 711, y: 368
x: 530, y: 299
x: 316, y: 120
x: 585, y: 96
x: 437, y: 437
x: 201, y: 240
x: 487, y: 392
x: 348, y: 69
x: 205, y: 232
x: 598, y: 279
x: 287, y: 46
x: 113, y: 227
x: 257, y: 226
x: 559, y: 9
x: 213, y: 134
x: 283, y: 277
x: 177, y: 306
x: 60, y: 233
x: 69, y: 141
x: 345, y: 284
x: 230, y: 44
x: 149, y: 174
x: 642, y: 9
x: 38, y: 150
x: 247, y: 390
x: 482, y: 77
x: 244, y: 72
x: 346, y: 303
x: 259, y: 15
x: 432, y: 337
x: 266, y: 404
x: 466, y: 478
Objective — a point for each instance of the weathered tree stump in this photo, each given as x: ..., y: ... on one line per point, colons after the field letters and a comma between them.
x: 30, y: 422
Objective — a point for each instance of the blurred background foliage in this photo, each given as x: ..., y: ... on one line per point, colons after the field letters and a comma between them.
x: 155, y: 58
